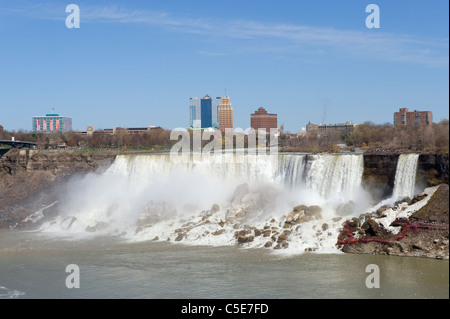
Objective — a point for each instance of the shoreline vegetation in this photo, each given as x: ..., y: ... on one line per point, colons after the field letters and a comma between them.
x: 367, y: 137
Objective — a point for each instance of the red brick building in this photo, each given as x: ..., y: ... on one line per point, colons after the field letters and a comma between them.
x: 263, y: 120
x: 404, y: 117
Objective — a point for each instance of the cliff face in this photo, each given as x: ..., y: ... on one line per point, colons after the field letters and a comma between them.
x: 380, y: 169
x: 379, y: 174
x: 432, y: 169
x: 30, y: 179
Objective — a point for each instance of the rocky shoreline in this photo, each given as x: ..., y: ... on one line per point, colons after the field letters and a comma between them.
x: 429, y: 209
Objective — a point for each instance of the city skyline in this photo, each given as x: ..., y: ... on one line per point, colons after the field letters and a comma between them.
x: 134, y: 64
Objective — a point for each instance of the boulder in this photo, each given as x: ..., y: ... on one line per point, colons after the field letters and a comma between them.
x: 180, y: 237
x: 215, y: 208
x: 282, y: 237
x: 294, y: 218
x: 218, y: 232
x: 300, y: 208
x: 242, y: 239
x: 312, y: 211
x: 372, y: 228
x: 419, y: 246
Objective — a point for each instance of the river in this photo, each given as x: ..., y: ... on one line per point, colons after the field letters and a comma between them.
x: 33, y: 265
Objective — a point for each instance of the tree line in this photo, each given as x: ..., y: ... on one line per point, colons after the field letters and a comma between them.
x: 367, y: 136
x: 375, y: 137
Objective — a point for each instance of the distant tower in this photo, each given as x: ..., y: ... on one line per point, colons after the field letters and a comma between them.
x: 225, y: 114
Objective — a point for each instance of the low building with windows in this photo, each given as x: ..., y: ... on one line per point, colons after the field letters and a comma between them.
x: 118, y: 130
x: 51, y: 123
x: 347, y: 127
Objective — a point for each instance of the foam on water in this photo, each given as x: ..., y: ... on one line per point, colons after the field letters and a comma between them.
x: 6, y: 293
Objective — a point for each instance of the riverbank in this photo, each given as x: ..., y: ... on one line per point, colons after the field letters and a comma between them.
x: 381, y: 233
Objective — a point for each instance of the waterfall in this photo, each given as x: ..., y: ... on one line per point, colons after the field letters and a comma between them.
x: 405, y: 176
x: 291, y: 170
x: 206, y: 201
x: 335, y: 175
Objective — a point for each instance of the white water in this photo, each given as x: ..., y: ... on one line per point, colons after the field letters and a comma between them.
x: 151, y: 197
x: 335, y: 177
x: 6, y: 293
x: 405, y: 177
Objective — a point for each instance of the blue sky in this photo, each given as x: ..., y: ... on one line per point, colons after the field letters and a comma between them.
x: 137, y: 63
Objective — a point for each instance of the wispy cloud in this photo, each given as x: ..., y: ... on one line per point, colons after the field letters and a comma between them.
x: 288, y: 38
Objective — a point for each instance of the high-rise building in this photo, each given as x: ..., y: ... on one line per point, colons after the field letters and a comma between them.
x: 51, y: 123
x: 206, y: 112
x: 194, y: 112
x: 225, y: 114
x: 404, y: 117
x: 263, y: 120
x: 203, y: 113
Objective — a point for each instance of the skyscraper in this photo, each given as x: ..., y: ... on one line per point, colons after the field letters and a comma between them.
x: 203, y: 113
x: 206, y: 112
x: 225, y: 114
x: 194, y: 112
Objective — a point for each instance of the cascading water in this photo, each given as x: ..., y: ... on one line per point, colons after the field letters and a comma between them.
x: 405, y: 176
x: 291, y: 170
x: 335, y: 176
x: 214, y: 201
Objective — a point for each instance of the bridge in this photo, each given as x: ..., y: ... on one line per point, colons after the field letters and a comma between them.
x: 18, y: 144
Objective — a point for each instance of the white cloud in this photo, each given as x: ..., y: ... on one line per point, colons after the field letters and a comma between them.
x: 289, y: 38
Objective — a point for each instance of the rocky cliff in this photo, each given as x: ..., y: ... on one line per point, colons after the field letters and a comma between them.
x: 432, y: 169
x: 30, y: 179
x: 380, y: 169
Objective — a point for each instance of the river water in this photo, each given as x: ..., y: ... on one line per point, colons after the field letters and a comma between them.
x: 32, y: 265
